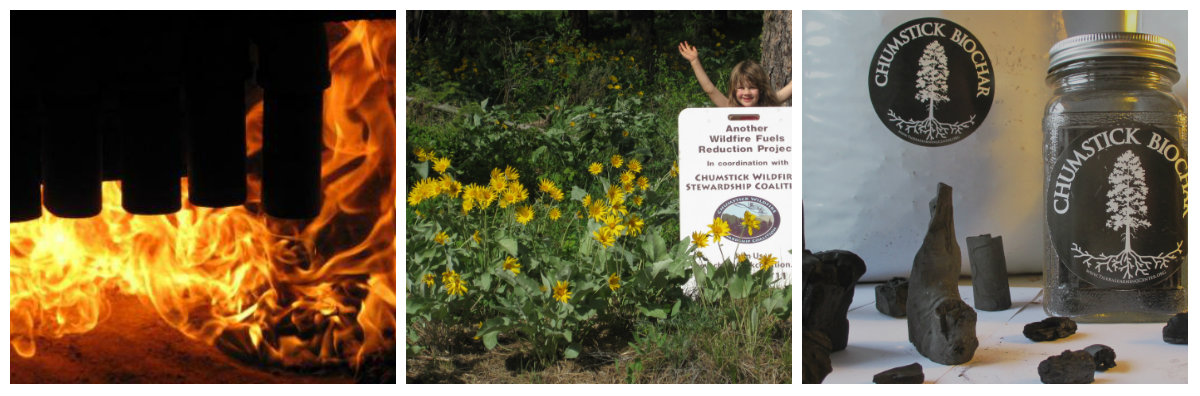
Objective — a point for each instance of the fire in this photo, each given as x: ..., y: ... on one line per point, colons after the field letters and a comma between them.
x: 291, y: 293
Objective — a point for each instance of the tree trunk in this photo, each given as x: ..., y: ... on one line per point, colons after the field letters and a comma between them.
x: 777, y: 48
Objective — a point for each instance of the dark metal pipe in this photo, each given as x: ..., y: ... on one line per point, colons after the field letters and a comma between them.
x: 26, y: 184
x: 294, y: 72
x: 152, y: 152
x: 67, y: 72
x: 217, y: 66
x: 150, y: 73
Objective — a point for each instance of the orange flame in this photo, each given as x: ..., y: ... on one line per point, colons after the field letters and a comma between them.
x: 318, y: 292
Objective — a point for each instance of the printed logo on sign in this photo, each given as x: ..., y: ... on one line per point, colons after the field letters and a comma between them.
x: 751, y: 219
x: 931, y: 82
x: 1117, y: 206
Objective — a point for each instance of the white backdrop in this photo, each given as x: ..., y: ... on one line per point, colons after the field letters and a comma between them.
x: 867, y: 191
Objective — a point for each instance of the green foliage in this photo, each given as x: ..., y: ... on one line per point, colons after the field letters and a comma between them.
x: 524, y: 99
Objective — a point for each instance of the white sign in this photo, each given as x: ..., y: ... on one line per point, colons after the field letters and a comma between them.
x: 735, y: 165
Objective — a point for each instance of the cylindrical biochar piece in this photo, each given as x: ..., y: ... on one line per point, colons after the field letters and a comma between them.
x: 151, y: 152
x: 989, y: 273
x: 26, y: 184
x: 294, y: 72
x: 216, y: 68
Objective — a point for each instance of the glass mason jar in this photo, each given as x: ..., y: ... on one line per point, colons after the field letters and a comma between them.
x: 1115, y: 181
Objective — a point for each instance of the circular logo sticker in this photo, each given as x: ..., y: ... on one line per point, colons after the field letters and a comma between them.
x: 1116, y: 205
x: 751, y: 219
x: 931, y: 82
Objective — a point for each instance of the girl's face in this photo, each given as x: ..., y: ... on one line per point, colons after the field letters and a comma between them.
x: 746, y: 94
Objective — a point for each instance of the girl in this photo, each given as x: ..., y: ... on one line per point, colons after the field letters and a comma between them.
x: 748, y: 83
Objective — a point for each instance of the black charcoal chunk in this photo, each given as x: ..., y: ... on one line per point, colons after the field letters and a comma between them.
x: 940, y: 324
x: 1103, y: 355
x: 891, y: 297
x: 1175, y: 332
x: 989, y: 273
x: 815, y: 350
x: 1050, y: 329
x: 829, y: 280
x: 910, y: 374
x: 1070, y: 367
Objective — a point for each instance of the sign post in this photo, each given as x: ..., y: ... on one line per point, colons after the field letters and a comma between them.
x: 735, y: 165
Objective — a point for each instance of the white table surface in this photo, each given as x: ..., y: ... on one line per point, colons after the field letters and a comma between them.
x: 879, y: 342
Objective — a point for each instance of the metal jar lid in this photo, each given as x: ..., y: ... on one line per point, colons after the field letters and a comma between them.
x: 1112, y: 44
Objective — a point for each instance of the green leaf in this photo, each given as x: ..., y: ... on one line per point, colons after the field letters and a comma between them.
x: 571, y: 352
x: 739, y: 287
x: 489, y: 339
x: 509, y: 245
x: 577, y: 193
x: 654, y: 313
x: 422, y: 169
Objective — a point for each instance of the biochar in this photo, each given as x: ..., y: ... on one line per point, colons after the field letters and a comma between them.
x: 891, y: 297
x: 1175, y: 332
x: 1104, y: 356
x: 1069, y: 367
x: 829, y: 280
x: 910, y: 374
x: 1050, y: 329
x: 989, y: 273
x: 940, y: 324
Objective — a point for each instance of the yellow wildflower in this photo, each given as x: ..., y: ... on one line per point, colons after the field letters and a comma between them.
x: 449, y: 186
x: 429, y: 280
x: 597, y: 210
x: 699, y: 239
x: 637, y: 200
x: 675, y: 169
x: 555, y: 214
x: 613, y: 79
x: 454, y: 283
x: 587, y: 200
x: 640, y: 93
x: 510, y: 173
x: 557, y: 194
x: 441, y: 238
x: 750, y: 221
x: 572, y: 123
x: 511, y: 264
x: 617, y: 87
x: 624, y: 133
x: 741, y: 257
x: 719, y: 228
x: 592, y: 115
x: 606, y: 235
x: 614, y: 282
x: 550, y: 61
x: 524, y: 214
x: 628, y: 177
x: 546, y: 185
x: 643, y: 183
x: 617, y: 160
x: 596, y: 168
x: 560, y: 291
x: 635, y: 165
x: 766, y: 262
x: 476, y: 237
x: 635, y: 224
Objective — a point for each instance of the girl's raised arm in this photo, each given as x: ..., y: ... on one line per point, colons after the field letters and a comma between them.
x: 785, y: 93
x: 693, y: 56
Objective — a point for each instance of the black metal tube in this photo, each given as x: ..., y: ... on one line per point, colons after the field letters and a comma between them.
x: 69, y: 80
x: 294, y: 72
x: 217, y: 66
x: 152, y: 151
x: 150, y: 74
x: 71, y: 172
x: 291, y: 185
x: 26, y: 184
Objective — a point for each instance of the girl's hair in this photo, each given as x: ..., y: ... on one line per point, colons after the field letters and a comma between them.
x: 750, y: 72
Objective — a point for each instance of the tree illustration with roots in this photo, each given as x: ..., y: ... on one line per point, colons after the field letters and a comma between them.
x: 932, y: 88
x: 1127, y: 211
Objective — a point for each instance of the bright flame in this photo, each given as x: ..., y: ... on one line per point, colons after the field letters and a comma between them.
x: 293, y: 293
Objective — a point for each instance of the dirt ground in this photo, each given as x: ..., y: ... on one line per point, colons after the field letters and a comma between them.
x: 133, y: 345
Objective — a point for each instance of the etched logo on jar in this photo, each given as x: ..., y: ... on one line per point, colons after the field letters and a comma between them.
x: 1116, y: 206
x: 931, y: 82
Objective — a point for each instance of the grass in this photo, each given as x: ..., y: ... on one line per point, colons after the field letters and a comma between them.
x: 703, y: 344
